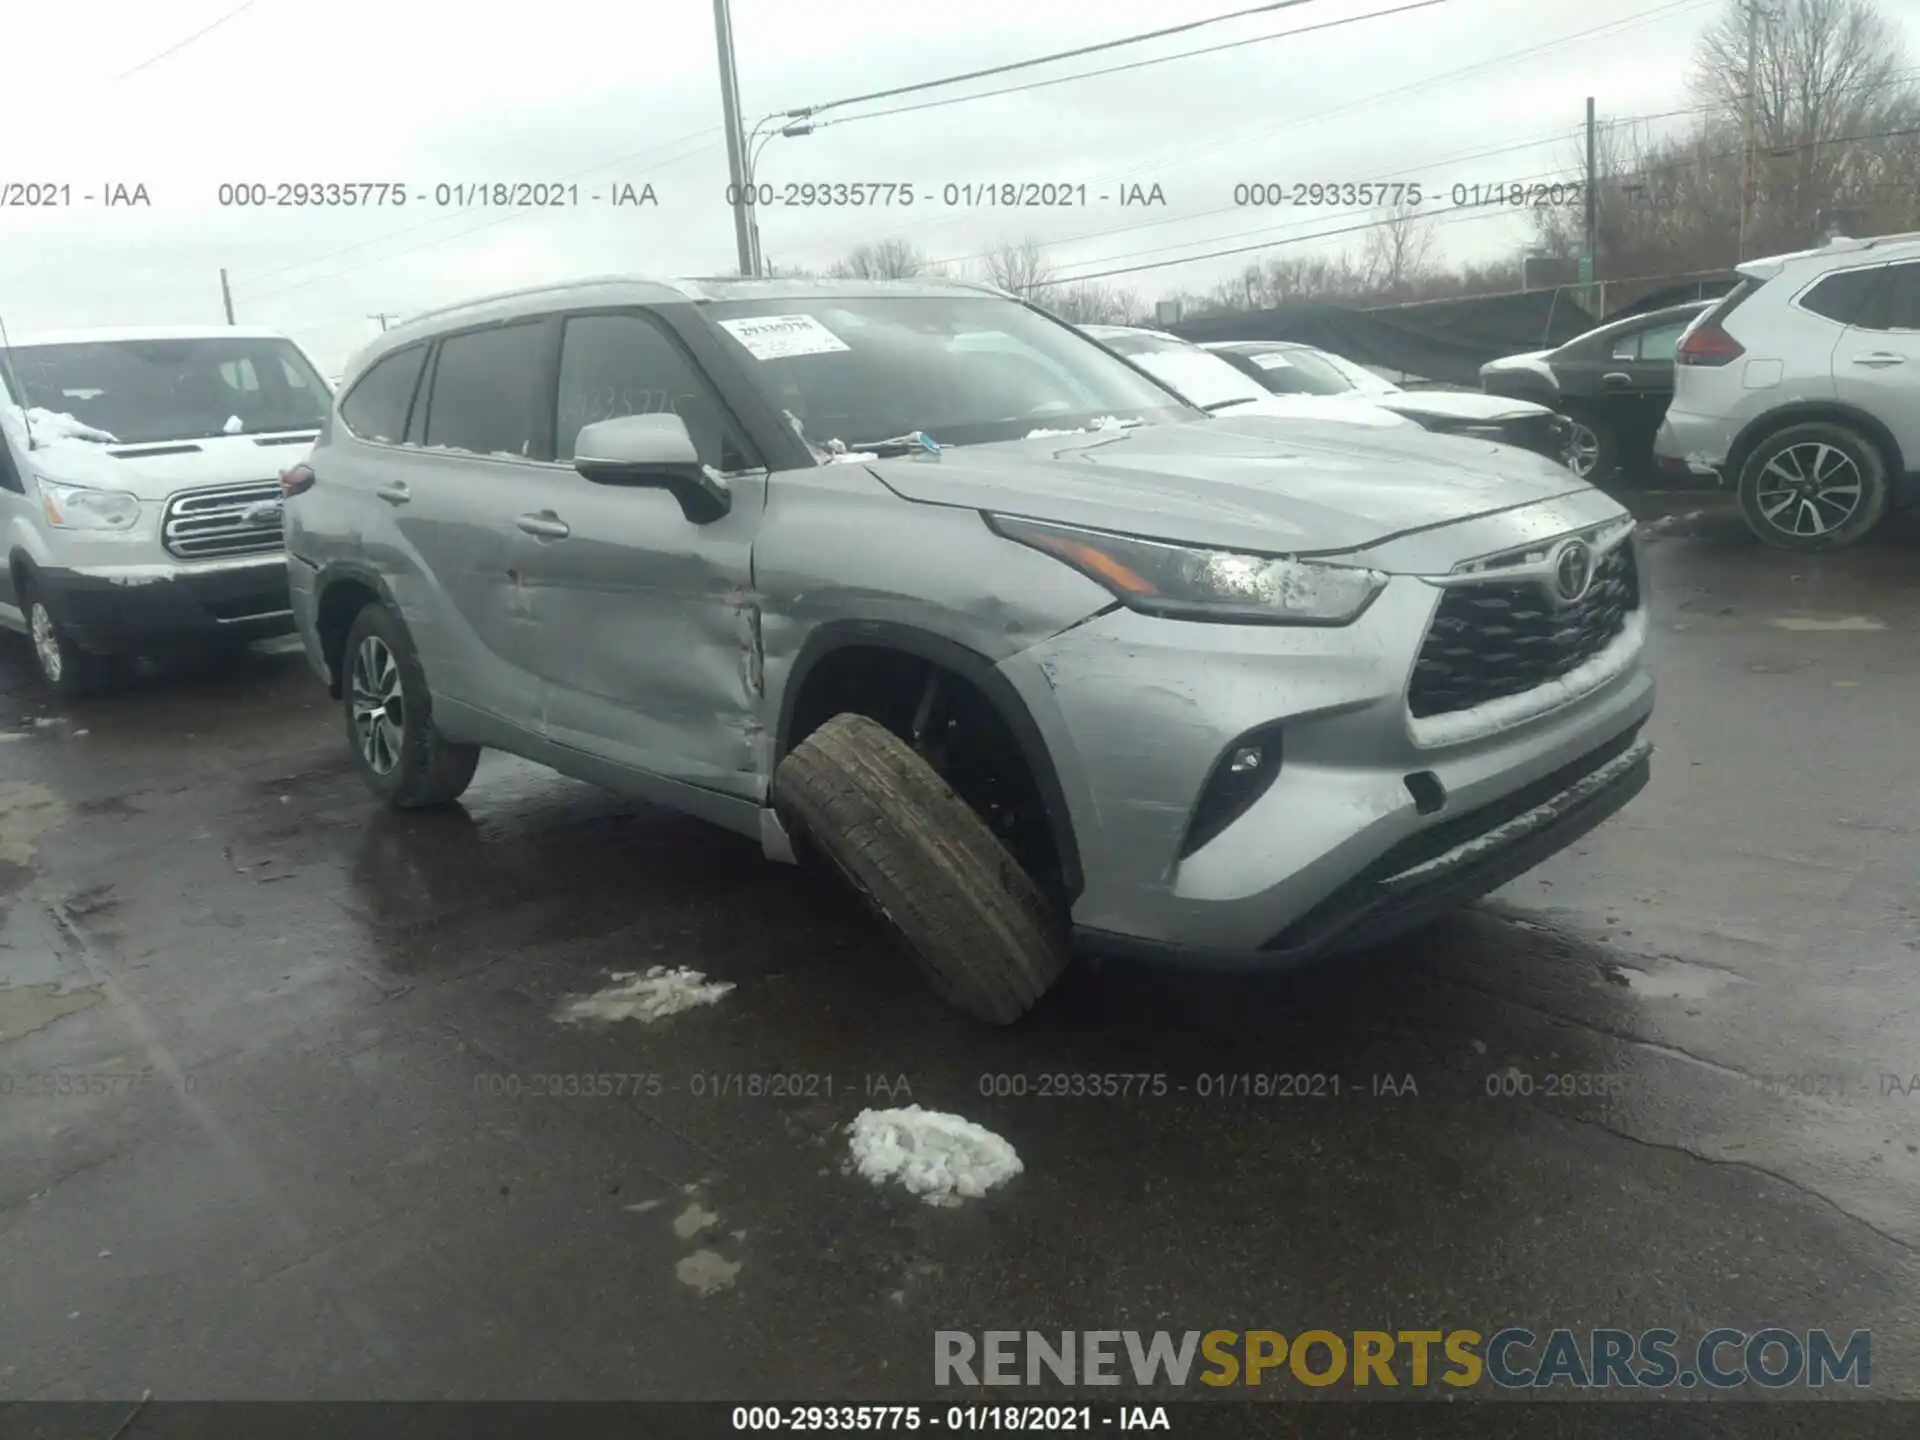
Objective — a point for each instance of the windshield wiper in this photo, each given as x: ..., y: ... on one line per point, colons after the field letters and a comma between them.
x: 1217, y: 406
x: 916, y: 443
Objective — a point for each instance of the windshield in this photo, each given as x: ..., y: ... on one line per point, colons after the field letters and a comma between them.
x: 1363, y: 379
x: 139, y: 391
x: 960, y: 370
x: 1207, y: 380
x: 1298, y: 372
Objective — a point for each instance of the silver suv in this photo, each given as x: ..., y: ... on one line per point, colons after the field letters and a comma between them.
x: 1801, y: 389
x: 916, y: 578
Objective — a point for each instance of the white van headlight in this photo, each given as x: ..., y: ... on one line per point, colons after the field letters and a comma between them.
x: 76, y: 507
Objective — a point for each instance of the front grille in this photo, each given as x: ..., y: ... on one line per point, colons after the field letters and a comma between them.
x: 213, y: 523
x: 1492, y: 640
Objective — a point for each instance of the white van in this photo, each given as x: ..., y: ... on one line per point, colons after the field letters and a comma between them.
x: 140, y: 491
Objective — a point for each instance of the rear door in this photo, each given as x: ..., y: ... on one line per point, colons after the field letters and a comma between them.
x: 1876, y: 365
x: 477, y: 443
x: 647, y: 639
x: 1636, y: 383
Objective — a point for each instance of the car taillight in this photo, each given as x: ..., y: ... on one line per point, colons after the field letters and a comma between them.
x: 1708, y: 345
x: 296, y: 481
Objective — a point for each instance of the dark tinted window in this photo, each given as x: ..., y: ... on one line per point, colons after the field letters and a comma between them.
x: 377, y: 407
x: 1298, y: 372
x: 141, y: 391
x: 1898, y: 303
x: 1843, y: 297
x: 486, y: 389
x: 614, y: 365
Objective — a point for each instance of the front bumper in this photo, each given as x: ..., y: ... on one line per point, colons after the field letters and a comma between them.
x: 118, y: 609
x: 1341, y: 848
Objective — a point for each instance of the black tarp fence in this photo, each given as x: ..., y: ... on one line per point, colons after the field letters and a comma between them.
x: 1449, y: 340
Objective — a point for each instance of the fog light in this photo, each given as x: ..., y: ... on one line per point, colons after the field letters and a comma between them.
x: 1240, y: 776
x: 1245, y: 760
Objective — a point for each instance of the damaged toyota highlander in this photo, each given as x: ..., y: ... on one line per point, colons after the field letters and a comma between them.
x: 913, y: 580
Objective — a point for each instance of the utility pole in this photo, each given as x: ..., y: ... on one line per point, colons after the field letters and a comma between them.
x: 736, y: 145
x: 226, y: 295
x: 1747, y: 177
x: 1590, y: 262
x: 383, y: 317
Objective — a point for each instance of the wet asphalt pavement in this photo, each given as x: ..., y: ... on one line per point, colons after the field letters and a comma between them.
x: 328, y: 1189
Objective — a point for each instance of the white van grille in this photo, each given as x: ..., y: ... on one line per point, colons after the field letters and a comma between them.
x: 224, y: 520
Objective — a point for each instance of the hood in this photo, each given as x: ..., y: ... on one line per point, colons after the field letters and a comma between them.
x: 163, y: 468
x: 1297, y: 487
x: 1350, y: 409
x: 1464, y: 406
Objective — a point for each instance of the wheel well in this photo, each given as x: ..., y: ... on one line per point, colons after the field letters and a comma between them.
x: 340, y: 603
x: 19, y: 572
x: 984, y: 746
x: 1774, y: 421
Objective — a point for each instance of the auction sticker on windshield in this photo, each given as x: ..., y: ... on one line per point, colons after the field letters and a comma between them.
x: 779, y: 337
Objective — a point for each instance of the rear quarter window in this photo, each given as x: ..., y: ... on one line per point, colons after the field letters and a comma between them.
x: 1843, y: 296
x: 377, y: 407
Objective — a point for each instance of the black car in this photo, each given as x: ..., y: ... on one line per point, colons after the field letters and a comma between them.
x: 1613, y: 383
x: 1287, y: 367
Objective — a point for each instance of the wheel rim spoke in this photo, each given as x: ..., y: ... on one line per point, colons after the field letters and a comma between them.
x: 377, y: 706
x: 1809, y: 490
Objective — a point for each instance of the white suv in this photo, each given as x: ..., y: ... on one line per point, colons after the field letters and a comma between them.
x: 140, y: 489
x: 1802, y: 390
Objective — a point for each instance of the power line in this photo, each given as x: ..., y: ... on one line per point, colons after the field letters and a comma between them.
x: 1480, y: 211
x: 181, y: 45
x: 1161, y: 34
x: 452, y: 215
x: 506, y: 219
x: 1131, y: 65
x: 1148, y: 165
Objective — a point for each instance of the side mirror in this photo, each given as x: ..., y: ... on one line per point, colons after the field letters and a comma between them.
x: 653, y: 452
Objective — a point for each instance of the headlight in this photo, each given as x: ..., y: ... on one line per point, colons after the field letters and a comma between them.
x: 74, y: 507
x: 1187, y: 582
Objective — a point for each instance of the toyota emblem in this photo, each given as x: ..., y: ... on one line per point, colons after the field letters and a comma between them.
x: 1572, y: 571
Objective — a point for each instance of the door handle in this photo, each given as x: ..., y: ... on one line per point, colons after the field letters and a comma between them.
x: 1616, y: 379
x: 395, y: 494
x: 1879, y: 358
x: 546, y: 525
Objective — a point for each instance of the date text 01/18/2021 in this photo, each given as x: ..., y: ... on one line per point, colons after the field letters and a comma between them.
x: 445, y: 195
x: 1044, y: 1419
x: 1393, y: 194
x: 962, y: 195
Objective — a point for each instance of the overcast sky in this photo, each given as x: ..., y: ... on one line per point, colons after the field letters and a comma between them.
x: 600, y: 94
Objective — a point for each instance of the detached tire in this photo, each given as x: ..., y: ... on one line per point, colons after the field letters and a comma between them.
x: 978, y: 926
x: 389, y: 716
x: 1817, y: 486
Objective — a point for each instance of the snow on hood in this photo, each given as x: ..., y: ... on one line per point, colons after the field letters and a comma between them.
x: 47, y: 427
x: 69, y: 452
x: 1470, y: 406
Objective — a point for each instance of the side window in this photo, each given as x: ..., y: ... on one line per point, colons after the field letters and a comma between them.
x: 240, y: 374
x: 1898, y: 300
x: 9, y: 470
x: 1660, y: 342
x: 486, y: 391
x: 294, y: 378
x: 1843, y: 297
x: 377, y: 407
x: 614, y: 365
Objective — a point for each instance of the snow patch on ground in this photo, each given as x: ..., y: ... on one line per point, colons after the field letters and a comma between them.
x: 643, y: 995
x: 941, y: 1158
x: 1844, y: 622
x: 706, y: 1271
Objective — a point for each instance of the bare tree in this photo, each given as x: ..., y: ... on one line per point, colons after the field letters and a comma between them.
x: 1090, y: 303
x: 1398, y: 254
x: 880, y: 260
x: 1019, y: 267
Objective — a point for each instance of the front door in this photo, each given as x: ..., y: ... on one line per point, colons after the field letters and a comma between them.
x: 647, y: 632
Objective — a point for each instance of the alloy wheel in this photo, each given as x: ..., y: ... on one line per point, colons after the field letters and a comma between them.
x: 1809, y: 489
x: 379, y: 705
x: 46, y: 642
x: 1583, y: 450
